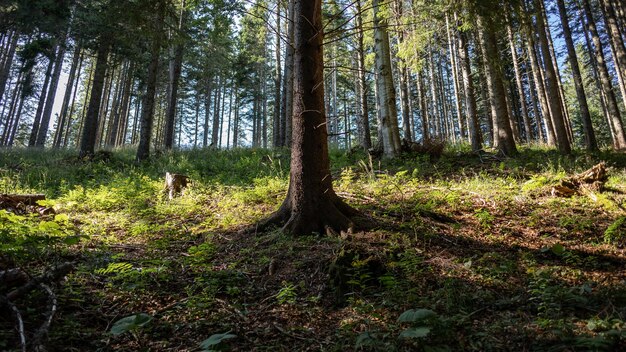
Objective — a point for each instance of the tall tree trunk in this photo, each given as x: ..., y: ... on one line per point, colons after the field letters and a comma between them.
x: 207, y: 111
x: 311, y: 204
x: 552, y: 87
x: 76, y: 65
x: 5, y: 68
x: 470, y: 99
x: 386, y: 89
x: 216, y: 114
x: 175, y: 68
x: 90, y: 124
x: 120, y: 133
x: 455, y: 76
x: 585, y: 116
x: 619, y: 137
x: 503, y: 135
x: 147, y: 111
x: 42, y: 133
x: 32, y: 141
x: 288, y: 93
x: 423, y: 107
x: 518, y: 79
x: 363, y: 121
x: 276, y: 126
x: 617, y: 43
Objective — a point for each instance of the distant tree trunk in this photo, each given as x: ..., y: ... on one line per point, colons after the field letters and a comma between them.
x: 552, y: 87
x: 76, y: 65
x: 386, y: 90
x: 236, y: 119
x: 216, y: 114
x: 455, y: 77
x: 518, y: 79
x: 617, y: 43
x: 502, y: 135
x: 311, y: 204
x: 615, y: 120
x: 288, y: 93
x: 423, y: 107
x: 5, y: 68
x: 207, y: 111
x: 90, y: 124
x: 122, y: 127
x: 470, y: 99
x: 363, y: 122
x: 147, y: 111
x: 40, y: 106
x: 42, y: 133
x: 590, y: 137
x: 276, y: 126
x: 175, y: 68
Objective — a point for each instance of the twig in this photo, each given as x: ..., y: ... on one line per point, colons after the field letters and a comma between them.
x: 20, y: 322
x: 50, y: 276
x: 43, y: 329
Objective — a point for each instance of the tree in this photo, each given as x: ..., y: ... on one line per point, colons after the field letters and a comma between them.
x: 311, y: 204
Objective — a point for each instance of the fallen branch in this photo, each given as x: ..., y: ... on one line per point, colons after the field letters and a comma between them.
x: 26, y: 199
x: 51, y: 276
x: 45, y: 327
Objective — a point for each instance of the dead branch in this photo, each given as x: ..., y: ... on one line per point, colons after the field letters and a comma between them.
x: 585, y: 183
x: 51, y: 276
x: 45, y: 327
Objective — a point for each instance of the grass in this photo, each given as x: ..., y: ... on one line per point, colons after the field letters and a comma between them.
x: 477, y: 241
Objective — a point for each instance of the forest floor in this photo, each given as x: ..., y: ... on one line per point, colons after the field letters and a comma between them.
x: 469, y: 253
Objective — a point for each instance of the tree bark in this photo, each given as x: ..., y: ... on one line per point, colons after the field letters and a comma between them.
x: 5, y: 69
x: 585, y: 116
x: 617, y: 43
x: 386, y: 90
x: 615, y: 120
x: 147, y: 111
x: 90, y: 123
x: 552, y: 87
x: 175, y: 68
x: 470, y: 99
x: 502, y: 134
x: 311, y: 205
x: 42, y: 133
x: 276, y: 126
x: 76, y: 63
x: 40, y: 106
x: 363, y: 121
x: 287, y: 96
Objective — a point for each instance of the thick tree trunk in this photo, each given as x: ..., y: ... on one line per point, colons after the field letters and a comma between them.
x: 585, y: 116
x: 615, y: 120
x: 502, y: 134
x: 470, y: 99
x: 311, y: 205
x: 147, y: 111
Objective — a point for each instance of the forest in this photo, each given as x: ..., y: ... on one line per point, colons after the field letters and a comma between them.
x: 312, y: 175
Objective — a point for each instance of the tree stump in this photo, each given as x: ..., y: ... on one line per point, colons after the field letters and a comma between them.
x: 592, y: 180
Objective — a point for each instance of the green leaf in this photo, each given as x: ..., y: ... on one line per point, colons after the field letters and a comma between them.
x: 130, y: 323
x: 365, y: 339
x: 61, y: 218
x: 215, y: 340
x: 415, y: 333
x: 413, y: 315
x: 558, y: 249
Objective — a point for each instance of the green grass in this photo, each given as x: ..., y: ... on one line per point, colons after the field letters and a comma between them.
x: 479, y: 241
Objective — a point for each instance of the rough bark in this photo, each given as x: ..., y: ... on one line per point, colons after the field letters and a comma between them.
x: 617, y: 43
x: 581, y: 95
x: 311, y: 205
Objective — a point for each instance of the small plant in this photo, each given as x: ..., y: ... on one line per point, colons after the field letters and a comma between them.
x: 484, y: 218
x: 215, y: 342
x: 616, y: 233
x: 130, y: 324
x: 287, y: 293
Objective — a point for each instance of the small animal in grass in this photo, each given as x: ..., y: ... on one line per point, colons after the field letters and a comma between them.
x: 175, y: 183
